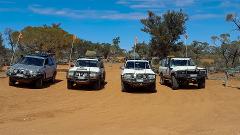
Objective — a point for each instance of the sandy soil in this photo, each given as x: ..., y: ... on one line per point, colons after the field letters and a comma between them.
x: 55, y: 110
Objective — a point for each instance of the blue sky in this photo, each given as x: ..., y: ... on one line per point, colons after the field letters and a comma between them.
x: 102, y: 20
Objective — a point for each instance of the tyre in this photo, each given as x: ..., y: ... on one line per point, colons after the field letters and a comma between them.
x: 124, y: 87
x: 69, y: 84
x: 97, y: 85
x: 162, y: 80
x: 11, y: 82
x: 175, y: 84
x: 153, y: 87
x: 39, y: 83
x: 201, y: 84
x: 53, y: 79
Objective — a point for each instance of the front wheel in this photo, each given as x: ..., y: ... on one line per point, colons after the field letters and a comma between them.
x: 11, y: 82
x: 175, y: 84
x: 201, y: 84
x: 97, y: 85
x: 124, y: 87
x: 39, y: 83
x: 153, y: 87
x: 162, y: 80
x: 69, y: 84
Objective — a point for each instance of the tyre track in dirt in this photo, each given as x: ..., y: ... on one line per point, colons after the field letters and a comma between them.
x: 56, y: 110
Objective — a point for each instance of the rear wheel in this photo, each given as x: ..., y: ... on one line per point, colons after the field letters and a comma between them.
x: 11, y: 82
x: 175, y: 84
x: 69, y: 84
x: 39, y: 83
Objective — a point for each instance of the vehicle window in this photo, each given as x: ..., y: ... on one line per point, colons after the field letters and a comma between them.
x: 101, y: 65
x: 138, y: 65
x: 87, y: 63
x: 31, y: 61
x: 50, y: 62
x: 182, y: 63
x: 166, y: 63
x: 46, y: 62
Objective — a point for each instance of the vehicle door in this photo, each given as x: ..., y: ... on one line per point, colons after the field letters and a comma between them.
x: 168, y: 68
x: 163, y: 67
x: 49, y: 68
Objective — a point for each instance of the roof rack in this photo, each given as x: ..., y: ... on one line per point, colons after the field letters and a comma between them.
x: 42, y: 54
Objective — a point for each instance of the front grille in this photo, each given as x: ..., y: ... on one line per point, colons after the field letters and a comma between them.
x: 192, y: 72
x: 81, y: 75
x: 141, y: 76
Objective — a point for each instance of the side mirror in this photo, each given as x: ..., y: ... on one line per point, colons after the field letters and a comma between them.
x: 122, y: 67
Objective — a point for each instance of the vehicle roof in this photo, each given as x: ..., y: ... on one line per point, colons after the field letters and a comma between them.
x: 181, y: 58
x: 35, y: 56
x: 137, y: 61
x: 88, y: 59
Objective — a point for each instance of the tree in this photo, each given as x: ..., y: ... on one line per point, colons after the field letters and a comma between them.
x: 229, y: 50
x: 3, y: 52
x: 44, y: 38
x: 142, y: 49
x: 198, y: 50
x: 165, y: 30
x: 233, y: 18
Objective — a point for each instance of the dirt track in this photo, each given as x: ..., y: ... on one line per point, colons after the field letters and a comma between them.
x: 55, y: 110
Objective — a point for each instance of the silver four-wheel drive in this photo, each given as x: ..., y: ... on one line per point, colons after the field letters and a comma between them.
x: 87, y: 71
x: 137, y: 73
x: 34, y: 68
x: 180, y: 72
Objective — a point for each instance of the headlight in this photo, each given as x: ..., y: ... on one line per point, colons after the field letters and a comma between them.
x: 127, y: 76
x: 93, y: 75
x: 34, y: 73
x: 15, y: 71
x: 26, y: 72
x: 151, y: 76
x: 70, y: 73
x: 203, y: 72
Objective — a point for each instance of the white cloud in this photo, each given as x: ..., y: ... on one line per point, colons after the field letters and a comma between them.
x: 153, y: 4
x: 7, y: 2
x: 206, y: 16
x: 87, y: 14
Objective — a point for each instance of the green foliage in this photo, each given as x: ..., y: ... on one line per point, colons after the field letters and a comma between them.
x: 165, y: 31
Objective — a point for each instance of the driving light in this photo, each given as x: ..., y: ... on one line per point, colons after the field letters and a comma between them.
x: 151, y: 76
x: 70, y: 73
x: 127, y: 76
x: 93, y: 74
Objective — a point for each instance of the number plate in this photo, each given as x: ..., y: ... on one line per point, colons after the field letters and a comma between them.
x: 139, y: 80
x: 81, y: 77
x: 193, y: 75
x: 19, y: 75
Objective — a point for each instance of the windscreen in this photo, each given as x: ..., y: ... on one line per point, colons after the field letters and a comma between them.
x: 182, y: 63
x: 31, y: 61
x: 87, y: 63
x: 137, y: 65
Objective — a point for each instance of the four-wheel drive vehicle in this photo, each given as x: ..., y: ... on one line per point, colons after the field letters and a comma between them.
x: 34, y: 68
x: 181, y: 71
x: 86, y: 71
x: 137, y: 73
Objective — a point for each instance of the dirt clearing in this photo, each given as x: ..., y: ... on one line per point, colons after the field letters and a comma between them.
x: 55, y: 110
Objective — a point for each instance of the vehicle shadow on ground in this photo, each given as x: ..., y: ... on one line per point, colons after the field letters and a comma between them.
x: 87, y: 87
x: 141, y: 91
x: 31, y: 85
x: 186, y: 87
